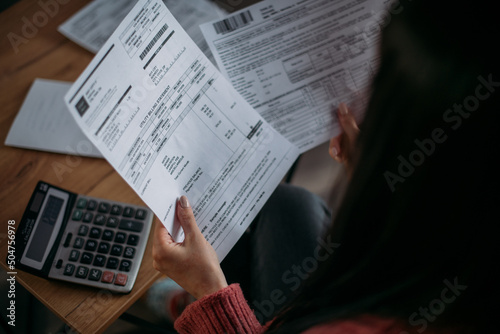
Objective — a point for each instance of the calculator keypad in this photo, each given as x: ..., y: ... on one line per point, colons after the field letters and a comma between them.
x: 103, y: 244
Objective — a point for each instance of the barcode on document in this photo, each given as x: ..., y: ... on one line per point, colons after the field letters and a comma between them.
x: 232, y: 23
x: 153, y: 41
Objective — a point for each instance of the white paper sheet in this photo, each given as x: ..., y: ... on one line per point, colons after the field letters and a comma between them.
x: 171, y: 124
x: 44, y: 123
x: 295, y: 61
x: 93, y: 24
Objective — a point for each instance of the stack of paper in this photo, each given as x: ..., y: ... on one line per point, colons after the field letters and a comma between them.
x: 172, y: 125
x: 295, y: 61
x: 44, y: 122
x: 156, y: 107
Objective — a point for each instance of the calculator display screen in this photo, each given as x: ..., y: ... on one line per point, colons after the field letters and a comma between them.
x: 44, y: 229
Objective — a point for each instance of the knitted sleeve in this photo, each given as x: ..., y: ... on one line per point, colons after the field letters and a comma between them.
x: 225, y: 311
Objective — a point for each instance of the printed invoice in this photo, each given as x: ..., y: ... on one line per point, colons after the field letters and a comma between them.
x: 91, y: 26
x: 171, y: 124
x: 295, y: 61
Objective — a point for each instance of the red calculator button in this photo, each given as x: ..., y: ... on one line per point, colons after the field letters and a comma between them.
x: 121, y: 279
x: 107, y: 277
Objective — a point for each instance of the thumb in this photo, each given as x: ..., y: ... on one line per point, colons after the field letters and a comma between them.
x: 186, y: 217
x: 348, y: 122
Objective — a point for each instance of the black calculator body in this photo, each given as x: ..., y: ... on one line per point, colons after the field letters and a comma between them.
x: 82, y: 239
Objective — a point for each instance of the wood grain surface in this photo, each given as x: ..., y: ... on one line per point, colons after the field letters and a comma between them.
x: 31, y: 47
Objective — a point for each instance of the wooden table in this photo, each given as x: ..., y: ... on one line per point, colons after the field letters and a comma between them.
x: 43, y: 52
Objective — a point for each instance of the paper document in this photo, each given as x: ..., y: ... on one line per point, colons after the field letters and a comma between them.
x: 44, y: 123
x: 295, y: 61
x: 171, y: 124
x: 93, y: 24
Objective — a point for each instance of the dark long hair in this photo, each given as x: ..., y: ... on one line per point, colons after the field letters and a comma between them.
x: 419, y: 214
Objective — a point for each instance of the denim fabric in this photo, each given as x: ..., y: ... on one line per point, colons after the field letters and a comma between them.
x: 277, y: 252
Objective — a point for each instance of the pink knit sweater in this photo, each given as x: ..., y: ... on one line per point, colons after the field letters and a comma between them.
x: 227, y: 311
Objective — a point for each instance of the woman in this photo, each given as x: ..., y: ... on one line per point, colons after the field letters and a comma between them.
x: 416, y: 224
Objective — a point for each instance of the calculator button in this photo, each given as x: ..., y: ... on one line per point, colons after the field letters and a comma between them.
x: 103, y: 248
x: 112, y: 263
x: 87, y: 217
x: 130, y: 225
x: 92, y: 205
x: 95, y: 233
x: 133, y: 240
x: 87, y: 258
x: 116, y: 250
x: 116, y: 209
x: 74, y: 255
x: 77, y: 215
x: 91, y: 245
x: 129, y: 252
x: 83, y: 230
x: 59, y: 264
x: 125, y: 265
x: 121, y: 279
x: 81, y: 203
x: 99, y: 219
x: 68, y: 239
x: 108, y: 235
x: 112, y: 222
x: 69, y: 269
x: 99, y: 261
x: 128, y: 212
x: 103, y: 207
x: 78, y: 243
x: 140, y: 214
x: 82, y: 272
x: 107, y: 277
x: 120, y: 237
x: 95, y: 274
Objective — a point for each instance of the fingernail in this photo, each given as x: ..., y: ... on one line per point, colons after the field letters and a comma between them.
x: 184, y: 201
x: 334, y: 151
x: 343, y: 109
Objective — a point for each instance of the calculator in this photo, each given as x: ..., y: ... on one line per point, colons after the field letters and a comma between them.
x: 82, y: 239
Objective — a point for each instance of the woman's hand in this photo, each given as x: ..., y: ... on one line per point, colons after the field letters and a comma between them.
x: 193, y: 263
x: 342, y: 146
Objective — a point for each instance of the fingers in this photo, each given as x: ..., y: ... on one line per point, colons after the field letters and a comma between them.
x: 193, y: 263
x: 186, y: 218
x: 347, y: 122
x: 335, y: 148
x: 162, y: 242
x: 342, y: 146
x: 161, y: 234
